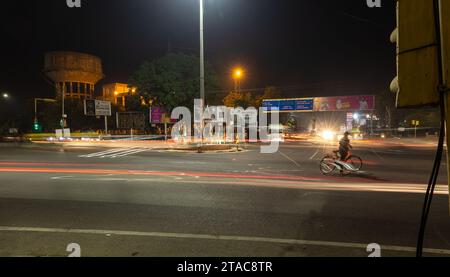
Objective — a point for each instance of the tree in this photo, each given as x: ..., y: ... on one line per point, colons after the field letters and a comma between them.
x: 385, y: 106
x: 391, y: 117
x: 269, y: 93
x: 172, y: 80
x: 239, y: 99
x: 246, y: 99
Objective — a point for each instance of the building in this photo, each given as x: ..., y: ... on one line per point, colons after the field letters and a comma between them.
x: 73, y: 73
x: 117, y: 93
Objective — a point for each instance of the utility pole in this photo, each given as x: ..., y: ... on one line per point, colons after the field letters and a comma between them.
x: 106, y: 125
x: 202, y: 55
x: 202, y: 69
x: 63, y: 112
x: 444, y: 29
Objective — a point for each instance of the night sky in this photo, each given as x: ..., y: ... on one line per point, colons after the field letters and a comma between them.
x: 304, y: 47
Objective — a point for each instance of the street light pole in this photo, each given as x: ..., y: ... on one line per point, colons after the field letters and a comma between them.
x: 202, y: 68
x: 62, y: 102
x: 202, y: 55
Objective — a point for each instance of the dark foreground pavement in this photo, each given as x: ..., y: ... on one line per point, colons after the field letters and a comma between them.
x: 156, y: 203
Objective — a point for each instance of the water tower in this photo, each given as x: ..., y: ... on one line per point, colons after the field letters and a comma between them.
x: 74, y: 73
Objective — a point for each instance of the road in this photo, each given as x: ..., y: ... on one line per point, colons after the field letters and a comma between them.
x: 144, y: 202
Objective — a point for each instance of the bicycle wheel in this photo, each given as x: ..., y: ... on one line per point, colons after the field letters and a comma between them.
x: 355, y: 161
x: 327, y: 165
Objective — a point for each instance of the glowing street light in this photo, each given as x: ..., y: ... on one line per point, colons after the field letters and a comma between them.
x: 5, y: 95
x: 238, y: 74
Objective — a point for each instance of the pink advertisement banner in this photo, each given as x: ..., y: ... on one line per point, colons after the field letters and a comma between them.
x: 344, y: 103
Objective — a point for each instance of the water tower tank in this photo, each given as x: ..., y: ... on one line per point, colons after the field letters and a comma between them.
x: 74, y: 73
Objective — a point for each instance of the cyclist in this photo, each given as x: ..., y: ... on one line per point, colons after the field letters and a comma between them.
x: 344, y: 146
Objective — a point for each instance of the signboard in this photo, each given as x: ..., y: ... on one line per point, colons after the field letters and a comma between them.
x: 13, y: 130
x: 62, y: 133
x: 321, y: 104
x: 289, y: 105
x: 344, y: 103
x: 159, y: 115
x: 59, y: 133
x: 97, y: 108
x: 156, y: 115
x: 131, y: 120
x: 102, y: 108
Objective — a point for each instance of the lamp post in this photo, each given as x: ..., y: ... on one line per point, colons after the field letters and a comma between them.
x: 238, y: 74
x: 202, y: 54
x: 202, y: 70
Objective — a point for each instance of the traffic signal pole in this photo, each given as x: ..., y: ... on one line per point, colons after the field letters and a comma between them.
x: 443, y: 10
x: 423, y: 75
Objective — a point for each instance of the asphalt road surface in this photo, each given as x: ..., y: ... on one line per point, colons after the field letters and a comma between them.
x: 143, y: 202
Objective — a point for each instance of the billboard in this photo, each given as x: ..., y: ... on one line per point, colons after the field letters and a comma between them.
x: 159, y: 115
x: 289, y: 105
x: 156, y: 115
x: 130, y: 120
x: 344, y: 103
x: 97, y: 108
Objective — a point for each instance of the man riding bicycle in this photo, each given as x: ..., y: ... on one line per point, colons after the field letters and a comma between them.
x: 346, y: 163
x: 344, y: 147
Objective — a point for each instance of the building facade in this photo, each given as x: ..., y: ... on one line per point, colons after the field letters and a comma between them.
x: 117, y: 93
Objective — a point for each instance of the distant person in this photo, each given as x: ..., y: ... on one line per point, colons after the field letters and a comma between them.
x: 363, y: 105
x: 324, y: 106
x: 339, y: 104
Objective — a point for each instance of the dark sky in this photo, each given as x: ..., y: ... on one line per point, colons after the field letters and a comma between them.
x: 305, y: 47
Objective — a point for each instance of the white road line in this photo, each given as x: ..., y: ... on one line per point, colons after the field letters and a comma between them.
x: 218, y: 237
x: 127, y: 153
x: 117, y: 153
x: 111, y: 151
x: 314, y: 155
x: 290, y: 159
x: 378, y: 155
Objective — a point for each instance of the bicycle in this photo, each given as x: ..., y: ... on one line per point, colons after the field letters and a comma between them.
x: 330, y: 163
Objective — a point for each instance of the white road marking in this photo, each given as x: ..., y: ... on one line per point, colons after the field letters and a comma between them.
x: 61, y: 177
x: 314, y: 155
x: 117, y: 153
x: 107, y: 152
x: 289, y: 158
x: 378, y: 155
x: 217, y: 237
x: 131, y: 152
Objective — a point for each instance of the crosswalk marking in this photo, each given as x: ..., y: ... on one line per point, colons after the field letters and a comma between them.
x: 117, y: 152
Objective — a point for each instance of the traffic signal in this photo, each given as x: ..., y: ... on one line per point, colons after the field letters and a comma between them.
x: 37, y: 127
x: 416, y: 36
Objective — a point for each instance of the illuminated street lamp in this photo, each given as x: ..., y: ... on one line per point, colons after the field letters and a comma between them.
x: 5, y: 95
x: 238, y: 74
